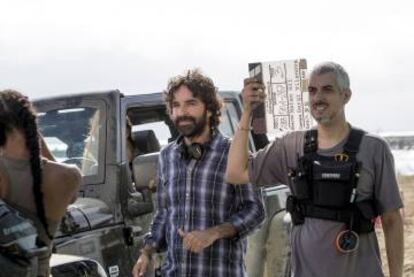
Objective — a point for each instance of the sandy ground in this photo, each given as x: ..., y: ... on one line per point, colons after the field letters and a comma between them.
x: 407, y: 188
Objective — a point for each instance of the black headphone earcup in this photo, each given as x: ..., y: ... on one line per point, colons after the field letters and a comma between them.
x: 196, y: 151
x: 192, y: 151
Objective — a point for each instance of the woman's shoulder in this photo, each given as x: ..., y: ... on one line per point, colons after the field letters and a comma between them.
x: 68, y: 176
x: 60, y: 186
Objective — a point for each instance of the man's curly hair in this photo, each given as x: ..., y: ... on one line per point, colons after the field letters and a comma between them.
x: 202, y: 88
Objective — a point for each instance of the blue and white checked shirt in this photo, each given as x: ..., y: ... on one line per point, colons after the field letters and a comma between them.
x: 193, y: 195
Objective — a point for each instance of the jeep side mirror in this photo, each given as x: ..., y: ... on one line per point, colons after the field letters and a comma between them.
x: 144, y: 169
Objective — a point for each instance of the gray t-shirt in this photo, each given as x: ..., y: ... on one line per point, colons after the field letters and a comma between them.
x: 313, y: 243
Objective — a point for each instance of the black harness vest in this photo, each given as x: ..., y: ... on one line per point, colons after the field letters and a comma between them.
x: 325, y: 187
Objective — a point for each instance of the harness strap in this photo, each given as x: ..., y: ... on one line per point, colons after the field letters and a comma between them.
x: 302, y: 207
x: 320, y: 212
x: 311, y: 141
x: 363, y: 213
x: 351, y: 146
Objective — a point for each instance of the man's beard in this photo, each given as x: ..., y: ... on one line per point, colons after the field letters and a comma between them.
x: 191, y: 130
x: 321, y: 119
x: 324, y: 120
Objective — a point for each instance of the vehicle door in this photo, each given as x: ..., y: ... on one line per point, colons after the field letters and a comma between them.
x: 82, y: 130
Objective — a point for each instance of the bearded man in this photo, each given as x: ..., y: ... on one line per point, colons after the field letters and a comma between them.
x: 341, y: 179
x: 201, y: 221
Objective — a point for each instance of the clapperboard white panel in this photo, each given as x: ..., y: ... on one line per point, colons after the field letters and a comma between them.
x: 286, y: 107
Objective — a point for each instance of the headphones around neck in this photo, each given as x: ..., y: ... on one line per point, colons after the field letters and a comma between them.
x: 192, y: 151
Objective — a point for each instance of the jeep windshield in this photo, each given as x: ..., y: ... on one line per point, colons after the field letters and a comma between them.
x: 73, y: 136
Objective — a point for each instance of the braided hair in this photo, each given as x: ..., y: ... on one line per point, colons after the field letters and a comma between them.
x: 16, y: 112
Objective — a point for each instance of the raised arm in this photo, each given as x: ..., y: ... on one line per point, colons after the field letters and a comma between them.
x: 237, y: 172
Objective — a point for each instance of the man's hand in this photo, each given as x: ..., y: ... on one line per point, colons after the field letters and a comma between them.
x: 196, y: 241
x: 252, y: 94
x: 141, y: 265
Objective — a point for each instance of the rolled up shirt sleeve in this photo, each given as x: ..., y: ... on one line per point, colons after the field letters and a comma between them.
x: 156, y: 236
x: 250, y: 210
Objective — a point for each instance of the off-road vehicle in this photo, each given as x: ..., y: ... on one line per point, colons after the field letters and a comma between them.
x: 112, y: 213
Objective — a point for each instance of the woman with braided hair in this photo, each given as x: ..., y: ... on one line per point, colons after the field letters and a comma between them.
x: 40, y: 189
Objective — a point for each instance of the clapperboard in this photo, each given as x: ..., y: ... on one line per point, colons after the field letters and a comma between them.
x: 286, y: 107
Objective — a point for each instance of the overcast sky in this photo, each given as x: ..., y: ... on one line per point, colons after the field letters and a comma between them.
x: 54, y: 47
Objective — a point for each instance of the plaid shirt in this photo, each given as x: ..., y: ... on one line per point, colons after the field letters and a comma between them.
x: 193, y: 195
